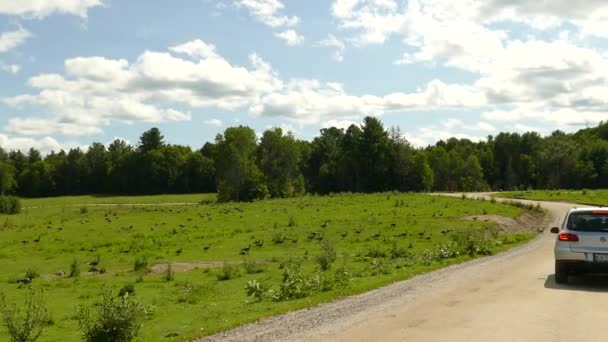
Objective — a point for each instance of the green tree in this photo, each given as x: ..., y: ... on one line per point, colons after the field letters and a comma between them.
x: 279, y: 160
x: 423, y: 174
x: 7, y: 177
x: 238, y: 176
x: 151, y: 140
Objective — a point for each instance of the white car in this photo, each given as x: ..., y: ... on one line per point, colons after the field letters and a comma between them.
x: 582, y: 243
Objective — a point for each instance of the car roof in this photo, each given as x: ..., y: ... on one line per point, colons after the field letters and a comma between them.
x: 574, y: 210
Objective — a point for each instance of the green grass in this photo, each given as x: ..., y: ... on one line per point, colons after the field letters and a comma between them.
x: 120, y: 234
x: 589, y: 197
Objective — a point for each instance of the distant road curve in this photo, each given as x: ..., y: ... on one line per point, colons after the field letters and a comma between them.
x: 511, y: 296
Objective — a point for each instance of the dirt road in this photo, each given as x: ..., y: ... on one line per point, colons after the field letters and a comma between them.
x: 508, y: 297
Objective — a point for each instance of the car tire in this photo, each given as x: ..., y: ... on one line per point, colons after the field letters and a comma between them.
x: 561, y: 273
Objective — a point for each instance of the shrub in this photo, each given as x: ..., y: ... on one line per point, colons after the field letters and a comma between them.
x: 169, y: 275
x: 398, y: 252
x: 327, y: 256
x: 10, y: 205
x: 32, y: 274
x: 255, y: 289
x: 127, y: 290
x: 84, y: 209
x: 292, y: 222
x: 141, y: 264
x: 227, y: 272
x: 293, y: 285
x: 25, y: 324
x: 376, y: 252
x: 117, y: 319
x: 75, y: 269
x: 378, y: 266
x: 189, y: 292
x: 342, y: 277
x: 252, y: 267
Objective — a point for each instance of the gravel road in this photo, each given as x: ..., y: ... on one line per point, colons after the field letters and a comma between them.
x: 507, y: 297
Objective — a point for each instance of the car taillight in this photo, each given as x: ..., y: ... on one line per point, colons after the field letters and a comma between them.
x: 567, y: 237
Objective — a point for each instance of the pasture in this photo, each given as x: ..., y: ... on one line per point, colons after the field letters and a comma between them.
x: 589, y: 197
x: 215, y: 249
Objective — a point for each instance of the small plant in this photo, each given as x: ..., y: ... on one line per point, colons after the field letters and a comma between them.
x: 74, y: 269
x: 139, y: 279
x: 117, y: 319
x: 328, y: 255
x: 84, y: 210
x: 141, y: 264
x: 227, y: 272
x: 25, y: 324
x: 342, y: 277
x: 252, y: 267
x: 188, y: 292
x: 398, y: 251
x: 292, y: 222
x: 278, y: 238
x: 378, y: 266
x: 169, y: 275
x: 293, y: 285
x: 127, y: 290
x: 376, y: 253
x: 10, y: 205
x: 32, y: 274
x: 255, y: 289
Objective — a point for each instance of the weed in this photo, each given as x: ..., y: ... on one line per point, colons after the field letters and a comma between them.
x: 117, y: 319
x: 188, y: 292
x: 255, y: 289
x: 25, y: 324
x: 169, y: 275
x: 327, y: 256
x: 74, y: 269
x: 252, y: 267
x: 127, y: 290
x: 227, y: 272
x: 32, y: 274
x: 140, y: 264
x: 342, y: 277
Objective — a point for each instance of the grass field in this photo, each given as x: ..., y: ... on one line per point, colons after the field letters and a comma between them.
x: 589, y: 197
x: 378, y: 239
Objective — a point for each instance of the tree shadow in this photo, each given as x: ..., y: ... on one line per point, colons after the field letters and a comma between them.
x: 587, y: 282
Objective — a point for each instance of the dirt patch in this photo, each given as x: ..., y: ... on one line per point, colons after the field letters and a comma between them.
x: 528, y: 222
x: 182, y: 267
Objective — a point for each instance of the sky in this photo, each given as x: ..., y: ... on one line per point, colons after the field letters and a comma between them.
x: 73, y: 72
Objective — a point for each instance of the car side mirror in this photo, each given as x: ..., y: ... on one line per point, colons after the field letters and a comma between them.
x: 555, y: 230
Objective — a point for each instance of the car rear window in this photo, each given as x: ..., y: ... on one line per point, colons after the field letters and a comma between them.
x: 589, y: 221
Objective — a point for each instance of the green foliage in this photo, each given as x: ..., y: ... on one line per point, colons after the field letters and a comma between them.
x: 32, y: 274
x: 74, y: 269
x: 10, y: 205
x: 255, y: 289
x: 342, y: 277
x: 117, y: 319
x: 327, y: 256
x: 27, y: 323
x: 227, y: 272
x: 169, y: 275
x: 188, y: 292
x: 253, y: 267
x: 140, y: 264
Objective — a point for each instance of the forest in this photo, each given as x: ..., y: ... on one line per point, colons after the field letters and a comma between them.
x: 367, y: 158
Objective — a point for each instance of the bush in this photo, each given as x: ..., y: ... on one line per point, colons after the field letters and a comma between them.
x: 127, y: 290
x: 84, y: 210
x: 376, y: 253
x: 75, y: 269
x: 293, y: 285
x: 141, y: 264
x: 189, y: 292
x: 117, y: 319
x: 255, y: 289
x: 342, y: 277
x: 327, y: 256
x: 252, y: 267
x: 227, y: 272
x: 25, y: 324
x: 10, y: 205
x: 169, y: 275
x: 32, y: 274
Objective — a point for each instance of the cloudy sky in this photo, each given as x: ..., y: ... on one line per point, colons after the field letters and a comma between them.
x: 77, y: 71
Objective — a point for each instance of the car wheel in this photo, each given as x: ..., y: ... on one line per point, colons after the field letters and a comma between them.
x: 561, y: 273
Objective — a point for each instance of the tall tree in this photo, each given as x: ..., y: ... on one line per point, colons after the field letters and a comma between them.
x: 279, y: 160
x: 151, y: 140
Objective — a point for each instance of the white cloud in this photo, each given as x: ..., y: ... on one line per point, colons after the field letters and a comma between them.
x: 44, y: 145
x: 333, y: 42
x: 96, y: 91
x: 268, y: 12
x: 12, y: 39
x: 290, y: 37
x: 214, y: 122
x: 430, y: 135
x: 43, y: 8
x: 344, y: 124
x: 484, y: 126
x: 10, y: 68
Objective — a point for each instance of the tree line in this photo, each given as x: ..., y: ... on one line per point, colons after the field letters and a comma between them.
x: 240, y: 166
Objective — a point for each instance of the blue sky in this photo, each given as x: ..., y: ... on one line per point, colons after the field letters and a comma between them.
x: 77, y: 71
